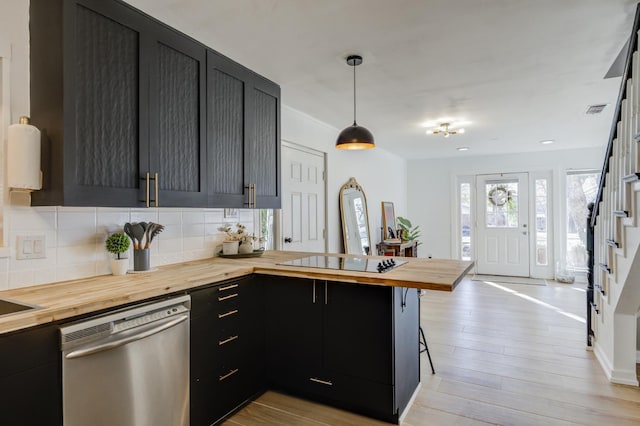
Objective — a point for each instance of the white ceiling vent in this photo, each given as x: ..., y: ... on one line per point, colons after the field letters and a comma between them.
x: 595, y: 109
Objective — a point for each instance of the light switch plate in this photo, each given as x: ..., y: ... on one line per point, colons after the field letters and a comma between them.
x: 31, y: 247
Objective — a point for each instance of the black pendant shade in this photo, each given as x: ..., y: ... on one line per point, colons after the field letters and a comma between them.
x: 354, y: 136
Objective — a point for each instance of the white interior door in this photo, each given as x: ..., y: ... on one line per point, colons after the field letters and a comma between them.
x: 303, y: 199
x: 503, y: 224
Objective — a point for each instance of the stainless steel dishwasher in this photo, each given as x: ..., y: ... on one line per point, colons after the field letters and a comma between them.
x: 129, y: 367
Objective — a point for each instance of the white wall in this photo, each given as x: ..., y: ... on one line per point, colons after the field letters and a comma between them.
x: 431, y: 184
x: 381, y: 173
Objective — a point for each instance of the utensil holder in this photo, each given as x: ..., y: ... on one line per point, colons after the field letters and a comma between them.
x: 141, y: 260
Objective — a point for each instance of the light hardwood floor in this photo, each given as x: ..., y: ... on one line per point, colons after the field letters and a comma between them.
x: 507, y: 354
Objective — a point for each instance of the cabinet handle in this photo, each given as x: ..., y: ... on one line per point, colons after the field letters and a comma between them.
x: 249, y: 187
x: 229, y: 287
x: 220, y: 299
x: 226, y: 314
x: 326, y: 295
x: 147, y: 190
x: 156, y: 182
x: 313, y: 299
x: 225, y: 341
x: 322, y: 382
x: 255, y: 197
x: 229, y: 374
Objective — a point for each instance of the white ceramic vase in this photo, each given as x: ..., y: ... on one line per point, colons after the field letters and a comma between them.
x: 119, y: 266
x: 230, y: 247
x: 245, y: 247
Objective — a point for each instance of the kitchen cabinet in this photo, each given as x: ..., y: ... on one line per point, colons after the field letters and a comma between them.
x: 121, y: 100
x: 243, y: 128
x: 227, y: 349
x: 30, y: 377
x: 353, y: 346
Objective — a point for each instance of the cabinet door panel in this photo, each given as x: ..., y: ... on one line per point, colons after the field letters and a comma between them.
x: 358, y: 331
x: 177, y: 148
x: 263, y: 147
x: 226, y: 125
x: 106, y: 102
x: 294, y: 328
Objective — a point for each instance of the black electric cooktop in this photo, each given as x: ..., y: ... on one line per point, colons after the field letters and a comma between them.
x: 347, y: 263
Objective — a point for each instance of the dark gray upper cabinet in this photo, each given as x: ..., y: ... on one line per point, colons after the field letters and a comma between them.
x: 87, y: 87
x: 121, y: 100
x: 177, y: 142
x: 243, y: 130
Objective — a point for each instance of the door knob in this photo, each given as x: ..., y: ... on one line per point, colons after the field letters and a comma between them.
x: 288, y: 240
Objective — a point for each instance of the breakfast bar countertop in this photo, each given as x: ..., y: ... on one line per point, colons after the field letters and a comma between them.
x: 68, y: 299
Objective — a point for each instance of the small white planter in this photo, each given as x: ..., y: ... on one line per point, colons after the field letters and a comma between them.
x: 245, y: 247
x: 230, y: 247
x: 119, y: 266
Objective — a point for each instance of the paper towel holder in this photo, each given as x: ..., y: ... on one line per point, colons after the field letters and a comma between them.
x: 23, y: 157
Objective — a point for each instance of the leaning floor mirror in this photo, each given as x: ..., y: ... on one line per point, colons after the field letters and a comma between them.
x: 355, y: 222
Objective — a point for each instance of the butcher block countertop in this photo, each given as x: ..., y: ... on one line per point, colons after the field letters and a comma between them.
x: 68, y: 299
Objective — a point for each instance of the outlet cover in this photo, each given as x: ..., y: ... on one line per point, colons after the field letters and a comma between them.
x: 31, y: 247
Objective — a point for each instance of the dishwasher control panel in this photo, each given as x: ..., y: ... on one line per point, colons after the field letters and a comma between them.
x: 148, y: 317
x: 102, y: 326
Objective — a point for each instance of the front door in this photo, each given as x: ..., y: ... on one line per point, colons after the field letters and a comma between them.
x: 503, y: 225
x: 303, y: 199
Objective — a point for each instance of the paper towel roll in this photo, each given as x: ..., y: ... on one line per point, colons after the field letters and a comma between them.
x: 23, y: 157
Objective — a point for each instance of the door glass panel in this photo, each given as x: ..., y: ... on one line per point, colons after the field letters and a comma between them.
x: 541, y: 222
x: 501, y: 204
x: 465, y: 221
x: 581, y: 190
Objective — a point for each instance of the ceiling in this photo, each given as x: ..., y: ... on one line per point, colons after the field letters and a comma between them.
x: 520, y: 71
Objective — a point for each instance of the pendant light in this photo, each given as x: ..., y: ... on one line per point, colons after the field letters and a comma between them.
x: 354, y: 136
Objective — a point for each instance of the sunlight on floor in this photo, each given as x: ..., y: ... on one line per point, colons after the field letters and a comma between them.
x: 536, y: 301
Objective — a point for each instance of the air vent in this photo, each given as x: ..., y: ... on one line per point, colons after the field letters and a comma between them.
x: 596, y: 109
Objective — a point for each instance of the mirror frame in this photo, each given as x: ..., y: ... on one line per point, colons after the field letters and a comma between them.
x: 389, y: 221
x: 353, y: 184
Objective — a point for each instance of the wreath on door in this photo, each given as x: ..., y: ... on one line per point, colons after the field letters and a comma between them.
x: 499, y: 195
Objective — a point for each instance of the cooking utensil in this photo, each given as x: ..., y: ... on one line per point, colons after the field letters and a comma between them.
x: 128, y: 229
x: 157, y: 228
x: 138, y: 232
x: 147, y: 230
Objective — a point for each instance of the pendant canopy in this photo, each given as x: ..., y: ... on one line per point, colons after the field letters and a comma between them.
x: 354, y: 136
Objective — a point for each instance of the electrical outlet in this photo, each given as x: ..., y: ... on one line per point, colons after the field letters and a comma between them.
x: 31, y: 247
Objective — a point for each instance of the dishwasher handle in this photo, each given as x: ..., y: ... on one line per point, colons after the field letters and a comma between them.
x: 123, y: 341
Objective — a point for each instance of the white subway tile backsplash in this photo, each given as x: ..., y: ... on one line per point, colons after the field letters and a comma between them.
x: 19, y: 279
x: 75, y: 239
x: 214, y: 215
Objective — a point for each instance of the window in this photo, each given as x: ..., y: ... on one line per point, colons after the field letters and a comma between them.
x: 542, y: 212
x: 581, y: 190
x: 465, y: 221
x: 502, y: 204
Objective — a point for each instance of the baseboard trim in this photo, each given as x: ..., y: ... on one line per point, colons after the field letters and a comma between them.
x: 621, y: 377
x: 410, y: 403
x: 637, y: 357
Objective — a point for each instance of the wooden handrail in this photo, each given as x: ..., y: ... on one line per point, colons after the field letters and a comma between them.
x: 633, y: 45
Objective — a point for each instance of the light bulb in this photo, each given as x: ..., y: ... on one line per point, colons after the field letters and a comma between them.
x: 460, y: 130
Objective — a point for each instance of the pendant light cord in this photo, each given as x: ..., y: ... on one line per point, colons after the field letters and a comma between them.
x: 354, y: 94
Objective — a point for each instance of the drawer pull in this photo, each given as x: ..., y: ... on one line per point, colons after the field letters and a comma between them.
x: 231, y: 296
x: 230, y: 339
x: 322, y: 382
x: 226, y: 314
x: 229, y: 374
x: 228, y: 287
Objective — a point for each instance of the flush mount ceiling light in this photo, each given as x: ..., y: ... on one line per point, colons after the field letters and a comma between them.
x: 445, y: 129
x: 463, y: 148
x: 354, y: 136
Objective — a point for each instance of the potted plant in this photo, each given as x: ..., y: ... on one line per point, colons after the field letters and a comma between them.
x: 117, y: 244
x: 407, y: 231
